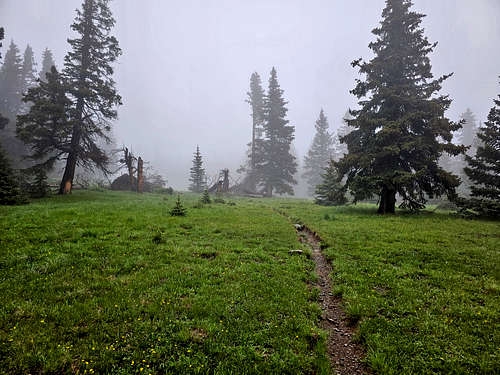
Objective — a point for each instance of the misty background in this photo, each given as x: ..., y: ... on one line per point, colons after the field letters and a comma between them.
x: 186, y: 65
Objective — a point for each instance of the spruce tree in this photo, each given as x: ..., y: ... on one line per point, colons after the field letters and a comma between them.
x: 47, y: 64
x: 29, y: 69
x: 11, y: 82
x: 344, y: 129
x: 330, y: 191
x: 178, y: 209
x: 467, y: 135
x: 319, y: 154
x: 9, y: 188
x: 46, y: 129
x: 10, y: 193
x: 88, y: 72
x: 400, y: 130
x: 3, y: 120
x: 256, y: 101
x: 484, y: 168
x: 278, y: 165
x: 205, y: 197
x: 197, y: 175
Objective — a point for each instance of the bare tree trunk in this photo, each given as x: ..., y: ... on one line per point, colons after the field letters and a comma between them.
x: 140, y: 175
x: 69, y: 174
x: 269, y: 191
x: 387, y: 201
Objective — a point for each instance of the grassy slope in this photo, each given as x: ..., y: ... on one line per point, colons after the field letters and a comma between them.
x: 85, y: 288
x: 426, y: 288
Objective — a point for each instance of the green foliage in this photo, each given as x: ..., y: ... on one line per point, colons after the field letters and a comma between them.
x: 400, y: 130
x: 46, y: 128
x: 88, y: 73
x: 38, y: 187
x: 178, y: 209
x: 330, y: 192
x: 319, y: 154
x: 424, y: 289
x: 484, y: 169
x: 47, y: 64
x: 205, y: 198
x: 277, y: 166
x: 10, y: 192
x: 217, y: 294
x: 197, y: 173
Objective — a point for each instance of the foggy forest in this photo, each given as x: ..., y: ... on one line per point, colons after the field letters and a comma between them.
x: 249, y: 187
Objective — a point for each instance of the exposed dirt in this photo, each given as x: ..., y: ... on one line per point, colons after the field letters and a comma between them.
x: 345, y: 355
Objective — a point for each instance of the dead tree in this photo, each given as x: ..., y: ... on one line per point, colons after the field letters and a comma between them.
x: 140, y: 175
x: 129, y: 160
x: 225, y: 181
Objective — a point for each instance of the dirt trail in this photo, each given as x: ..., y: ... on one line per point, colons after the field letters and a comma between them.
x: 345, y: 355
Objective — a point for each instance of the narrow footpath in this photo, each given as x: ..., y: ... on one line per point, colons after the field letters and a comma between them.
x: 345, y: 355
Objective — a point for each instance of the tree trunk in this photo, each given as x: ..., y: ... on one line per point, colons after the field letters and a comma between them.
x: 69, y: 174
x: 387, y: 201
x: 269, y: 192
x: 140, y: 175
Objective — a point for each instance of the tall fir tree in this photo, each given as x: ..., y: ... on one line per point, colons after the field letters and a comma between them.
x: 89, y: 75
x: 484, y: 168
x: 3, y: 120
x: 11, y: 82
x: 197, y: 174
x: 467, y: 135
x: 256, y: 101
x: 344, y: 129
x: 29, y: 69
x: 400, y: 130
x: 46, y: 128
x: 330, y: 191
x: 278, y: 166
x: 319, y: 154
x: 47, y: 64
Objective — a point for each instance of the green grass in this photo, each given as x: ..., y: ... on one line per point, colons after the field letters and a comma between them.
x: 424, y: 289
x: 102, y: 282
x: 111, y: 283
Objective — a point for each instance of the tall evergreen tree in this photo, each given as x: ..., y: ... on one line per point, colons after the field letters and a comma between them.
x: 3, y: 120
x: 342, y: 132
x: 47, y: 64
x: 330, y: 191
x: 29, y: 69
x: 256, y: 101
x: 484, y: 168
x: 46, y: 128
x: 467, y: 135
x: 319, y: 154
x: 11, y: 82
x: 277, y: 168
x: 197, y: 175
x: 400, y: 130
x: 88, y: 71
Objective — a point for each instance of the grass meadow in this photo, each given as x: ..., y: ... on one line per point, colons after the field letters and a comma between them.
x: 110, y: 283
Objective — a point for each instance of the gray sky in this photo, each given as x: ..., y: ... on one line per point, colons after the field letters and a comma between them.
x: 186, y: 65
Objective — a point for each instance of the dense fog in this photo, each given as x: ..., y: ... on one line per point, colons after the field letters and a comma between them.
x: 186, y: 65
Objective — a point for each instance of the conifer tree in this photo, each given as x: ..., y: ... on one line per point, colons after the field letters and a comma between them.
x: 178, y: 209
x: 206, y: 197
x: 11, y: 82
x: 88, y: 72
x: 3, y: 120
x: 10, y: 193
x: 256, y: 101
x: 277, y: 168
x: 319, y: 154
x: 46, y: 129
x: 47, y: 64
x: 467, y: 135
x: 9, y: 188
x: 484, y: 168
x: 29, y: 69
x: 344, y: 129
x: 400, y: 130
x: 197, y: 175
x: 330, y: 191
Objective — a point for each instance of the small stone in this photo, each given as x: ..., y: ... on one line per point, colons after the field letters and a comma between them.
x: 295, y: 252
x: 298, y: 226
